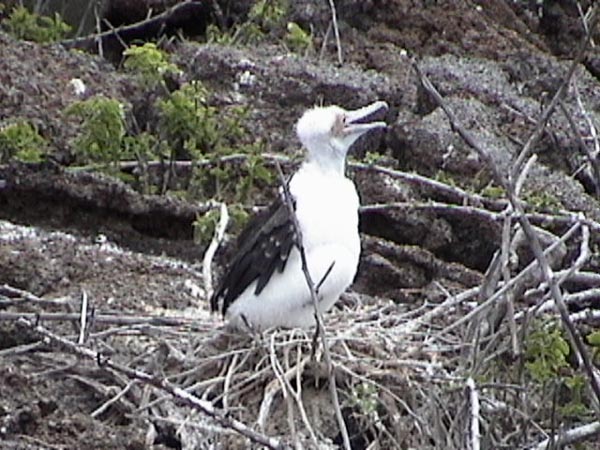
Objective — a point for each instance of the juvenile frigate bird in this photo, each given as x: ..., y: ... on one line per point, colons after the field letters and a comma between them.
x: 264, y: 285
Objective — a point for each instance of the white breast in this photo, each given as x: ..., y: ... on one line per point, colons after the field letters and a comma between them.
x: 326, y: 208
x: 327, y: 212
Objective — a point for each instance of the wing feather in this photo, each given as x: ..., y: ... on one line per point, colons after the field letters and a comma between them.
x: 262, y: 248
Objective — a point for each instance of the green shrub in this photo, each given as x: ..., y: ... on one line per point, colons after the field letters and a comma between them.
x: 297, y: 39
x: 546, y: 364
x: 102, y: 130
x: 546, y: 353
x: 187, y: 122
x: 23, y: 24
x: 264, y: 17
x: 22, y: 142
x: 205, y: 225
x: 150, y: 62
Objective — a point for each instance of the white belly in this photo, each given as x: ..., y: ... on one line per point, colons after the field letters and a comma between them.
x: 328, y: 215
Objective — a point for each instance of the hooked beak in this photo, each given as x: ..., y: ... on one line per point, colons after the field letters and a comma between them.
x: 358, y: 121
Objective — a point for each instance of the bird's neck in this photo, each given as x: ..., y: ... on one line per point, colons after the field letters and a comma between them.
x: 327, y: 161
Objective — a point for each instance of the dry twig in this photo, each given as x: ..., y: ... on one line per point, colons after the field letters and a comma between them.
x: 212, y: 248
x: 180, y: 394
x: 509, y: 185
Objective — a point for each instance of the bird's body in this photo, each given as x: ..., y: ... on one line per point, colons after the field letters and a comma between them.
x: 265, y: 285
x: 329, y: 221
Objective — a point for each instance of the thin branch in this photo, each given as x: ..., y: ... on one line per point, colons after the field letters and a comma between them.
x: 593, y: 163
x: 154, y: 24
x: 474, y: 402
x: 336, y: 32
x: 180, y: 394
x: 543, y: 120
x: 112, y: 319
x: 595, y: 154
x: 452, y: 193
x: 15, y: 296
x: 83, y: 319
x: 514, y: 281
x: 571, y: 436
x: 104, y: 407
x: 318, y: 316
x: 561, y: 218
x: 212, y: 249
x: 508, y: 185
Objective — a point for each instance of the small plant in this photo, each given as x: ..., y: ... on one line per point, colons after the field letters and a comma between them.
x: 205, y: 225
x: 372, y: 158
x: 446, y: 178
x: 297, y: 39
x: 22, y: 142
x: 256, y: 172
x: 542, y: 200
x: 546, y: 364
x: 150, y: 62
x: 366, y: 398
x: 23, y: 24
x: 492, y: 191
x: 546, y: 353
x: 575, y: 404
x: 102, y: 130
x: 264, y: 17
x: 187, y: 122
x: 593, y: 340
x: 143, y: 148
x: 268, y: 14
x: 191, y: 128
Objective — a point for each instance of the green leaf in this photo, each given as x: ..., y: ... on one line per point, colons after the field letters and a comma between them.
x: 23, y: 24
x: 150, y: 62
x: 594, y: 339
x: 102, y: 129
x: 21, y: 141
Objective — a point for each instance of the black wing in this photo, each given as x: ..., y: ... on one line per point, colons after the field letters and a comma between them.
x: 262, y: 248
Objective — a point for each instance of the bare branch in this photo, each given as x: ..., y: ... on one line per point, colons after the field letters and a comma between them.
x: 113, y: 319
x: 152, y: 25
x: 336, y: 32
x: 571, y: 436
x: 474, y: 402
x: 212, y: 249
x: 180, y: 394
x: 509, y: 186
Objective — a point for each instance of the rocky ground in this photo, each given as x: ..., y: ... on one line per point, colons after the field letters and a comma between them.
x: 432, y: 222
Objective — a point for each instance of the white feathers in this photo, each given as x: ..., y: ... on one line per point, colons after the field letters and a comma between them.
x: 327, y: 212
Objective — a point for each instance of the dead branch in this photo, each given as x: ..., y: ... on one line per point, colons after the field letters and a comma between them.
x: 474, y: 402
x: 543, y: 120
x: 509, y: 185
x: 591, y: 158
x: 561, y: 218
x: 336, y: 32
x: 212, y: 248
x: 180, y: 394
x: 10, y: 296
x: 514, y: 281
x: 112, y: 319
x: 453, y: 193
x: 150, y: 26
x: 571, y: 436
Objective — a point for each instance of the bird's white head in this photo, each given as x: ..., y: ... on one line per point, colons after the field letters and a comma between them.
x: 328, y: 132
